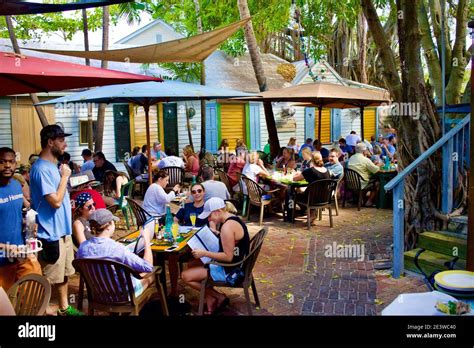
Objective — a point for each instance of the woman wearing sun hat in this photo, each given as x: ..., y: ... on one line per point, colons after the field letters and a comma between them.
x: 234, y: 243
x: 84, y: 206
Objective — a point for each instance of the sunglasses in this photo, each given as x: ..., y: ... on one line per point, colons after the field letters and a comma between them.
x: 196, y: 191
x: 89, y: 206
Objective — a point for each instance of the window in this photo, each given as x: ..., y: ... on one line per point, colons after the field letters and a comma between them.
x: 84, y: 134
x: 159, y: 38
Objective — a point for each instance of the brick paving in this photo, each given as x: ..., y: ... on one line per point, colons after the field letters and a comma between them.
x: 295, y: 275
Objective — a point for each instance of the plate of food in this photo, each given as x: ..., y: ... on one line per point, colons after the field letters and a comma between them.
x: 454, y: 307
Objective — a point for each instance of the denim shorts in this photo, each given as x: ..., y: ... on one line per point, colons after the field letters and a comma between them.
x: 137, y: 286
x: 217, y: 273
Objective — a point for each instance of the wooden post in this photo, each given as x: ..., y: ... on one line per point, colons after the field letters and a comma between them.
x: 146, y: 107
x: 447, y: 177
x: 320, y: 117
x: 470, y: 217
x: 398, y: 229
x: 362, y: 123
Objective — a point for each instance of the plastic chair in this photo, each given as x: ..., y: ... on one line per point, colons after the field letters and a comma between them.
x: 317, y: 196
x: 257, y: 196
x: 336, y: 191
x: 30, y: 295
x: 125, y: 191
x: 352, y: 182
x: 247, y: 265
x: 110, y: 287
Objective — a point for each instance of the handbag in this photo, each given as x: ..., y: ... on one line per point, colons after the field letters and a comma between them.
x: 235, y: 276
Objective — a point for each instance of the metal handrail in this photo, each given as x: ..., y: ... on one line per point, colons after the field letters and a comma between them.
x: 436, y: 146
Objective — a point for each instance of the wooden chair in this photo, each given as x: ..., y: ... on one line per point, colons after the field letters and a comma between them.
x: 317, y: 196
x: 110, y: 287
x: 352, y: 182
x: 30, y: 295
x: 126, y: 191
x: 224, y: 177
x: 247, y: 265
x: 256, y: 196
x: 176, y: 176
x: 141, y: 215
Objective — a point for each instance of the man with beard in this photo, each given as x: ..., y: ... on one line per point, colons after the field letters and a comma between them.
x: 50, y: 199
x: 11, y: 203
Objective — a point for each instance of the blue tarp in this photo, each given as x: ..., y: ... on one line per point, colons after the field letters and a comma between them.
x: 18, y: 7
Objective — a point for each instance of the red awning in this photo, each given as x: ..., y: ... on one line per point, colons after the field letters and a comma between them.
x: 23, y: 74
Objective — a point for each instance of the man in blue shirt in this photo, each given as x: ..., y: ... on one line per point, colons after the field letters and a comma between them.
x: 50, y: 199
x: 335, y: 168
x: 387, y: 148
x: 11, y: 203
x: 88, y: 162
x: 308, y: 143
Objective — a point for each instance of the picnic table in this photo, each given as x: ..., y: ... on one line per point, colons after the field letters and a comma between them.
x: 286, y: 182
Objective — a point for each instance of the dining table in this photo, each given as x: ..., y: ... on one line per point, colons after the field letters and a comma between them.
x: 286, y: 182
x: 383, y: 198
x: 161, y: 252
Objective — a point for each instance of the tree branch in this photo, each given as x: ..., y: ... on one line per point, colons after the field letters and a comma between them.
x: 431, y: 54
x: 458, y: 62
x: 386, y: 54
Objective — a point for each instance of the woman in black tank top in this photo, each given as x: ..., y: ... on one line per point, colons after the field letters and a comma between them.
x: 234, y: 243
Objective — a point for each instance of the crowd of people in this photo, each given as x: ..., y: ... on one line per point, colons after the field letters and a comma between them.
x: 72, y: 220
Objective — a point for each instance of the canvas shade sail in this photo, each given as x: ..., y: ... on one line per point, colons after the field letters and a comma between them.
x: 22, y: 74
x: 16, y: 7
x: 146, y: 94
x: 193, y: 49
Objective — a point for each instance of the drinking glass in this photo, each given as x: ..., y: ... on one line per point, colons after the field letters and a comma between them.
x: 192, y: 217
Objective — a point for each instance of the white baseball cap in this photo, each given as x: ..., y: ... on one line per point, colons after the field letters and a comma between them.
x: 211, y: 205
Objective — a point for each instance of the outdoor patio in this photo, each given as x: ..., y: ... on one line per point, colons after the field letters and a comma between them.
x: 294, y: 277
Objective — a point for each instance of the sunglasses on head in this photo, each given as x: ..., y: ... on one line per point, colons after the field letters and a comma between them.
x: 89, y: 206
x: 196, y: 191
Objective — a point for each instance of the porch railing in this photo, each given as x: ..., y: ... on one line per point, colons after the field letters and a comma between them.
x: 455, y: 153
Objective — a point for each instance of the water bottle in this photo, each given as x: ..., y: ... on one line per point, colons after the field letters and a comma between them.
x: 168, y: 235
x: 194, y: 180
x: 387, y: 163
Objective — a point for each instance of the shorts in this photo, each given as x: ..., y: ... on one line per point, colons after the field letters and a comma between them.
x: 11, y: 273
x: 217, y: 273
x: 56, y: 272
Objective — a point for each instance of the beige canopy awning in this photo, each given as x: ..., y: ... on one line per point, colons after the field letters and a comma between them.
x: 192, y: 49
x: 324, y: 94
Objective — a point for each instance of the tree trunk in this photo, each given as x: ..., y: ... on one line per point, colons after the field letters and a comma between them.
x: 99, y: 138
x: 362, y: 36
x: 203, y: 82
x: 260, y: 75
x: 458, y: 59
x: 90, y: 128
x: 415, y: 135
x: 16, y: 49
x: 188, y: 126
